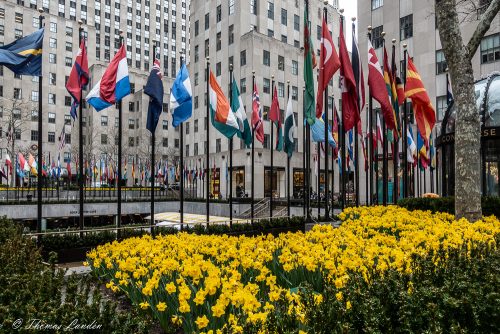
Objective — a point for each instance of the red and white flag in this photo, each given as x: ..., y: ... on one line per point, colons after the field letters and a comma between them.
x: 329, y: 63
x: 350, y: 110
x: 257, y: 124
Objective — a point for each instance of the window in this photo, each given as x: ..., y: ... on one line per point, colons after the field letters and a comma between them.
x: 207, y: 21
x: 51, y: 137
x: 67, y: 157
x: 196, y: 28
x: 104, y: 139
x: 68, y: 61
x: 230, y: 34
x: 406, y: 27
x: 318, y: 33
x: 243, y: 85
x: 34, y: 95
x: 377, y: 4
x: 34, y: 115
x: 165, y: 124
x: 218, y: 145
x: 195, y: 126
x: 441, y: 106
x: 131, y: 141
x: 295, y: 67
x: 266, y: 142
x: 195, y: 149
x: 16, y: 114
x: 377, y: 39
x: 490, y: 49
x: 296, y: 22
x: 52, y: 42
x: 266, y: 87
x: 52, y: 98
x: 131, y: 124
x: 18, y: 33
x: 17, y: 134
x: 18, y: 93
x: 218, y: 69
x: 295, y: 94
x: 219, y: 13
x: 52, y: 58
x: 253, y: 7
x: 283, y: 16
x: 265, y: 113
x: 67, y: 138
x: 281, y: 89
x: 18, y: 18
x: 187, y: 127
x: 67, y: 120
x: 52, y: 117
x: 69, y: 46
x: 440, y: 62
x: 2, y: 29
x: 176, y: 143
x: 34, y: 135
x: 165, y: 142
x: 218, y: 41
x: 104, y: 120
x: 281, y: 63
x: 231, y: 7
x: 270, y: 10
x: 207, y: 48
x: 266, y: 58
x: 53, y: 27
x: 243, y: 58
x: 52, y: 78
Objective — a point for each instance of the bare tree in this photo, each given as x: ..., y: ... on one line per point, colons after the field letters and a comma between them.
x: 17, y: 116
x: 467, y: 128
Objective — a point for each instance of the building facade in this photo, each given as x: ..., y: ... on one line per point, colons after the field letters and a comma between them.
x: 144, y: 24
x: 414, y: 23
x: 258, y: 36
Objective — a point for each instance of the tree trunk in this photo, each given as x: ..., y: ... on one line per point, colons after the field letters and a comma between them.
x: 467, y: 146
x: 467, y: 125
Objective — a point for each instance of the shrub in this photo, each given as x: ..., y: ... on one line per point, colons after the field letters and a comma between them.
x: 490, y: 204
x: 34, y: 290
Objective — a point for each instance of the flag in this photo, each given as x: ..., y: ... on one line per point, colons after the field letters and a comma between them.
x: 8, y: 162
x: 24, y: 56
x: 223, y: 119
x: 412, y: 148
x: 133, y: 169
x: 318, y: 132
x: 309, y: 103
x: 425, y: 116
x: 377, y: 86
x: 350, y: 110
x: 62, y: 138
x: 394, y: 90
x: 357, y: 68
x: 257, y: 124
x: 274, y: 116
x: 68, y: 167
x: 241, y: 116
x: 154, y: 89
x: 290, y: 128
x: 2, y: 174
x: 114, y: 84
x: 78, y: 78
x: 22, y: 161
x: 401, y: 90
x: 335, y: 131
x: 32, y: 164
x: 432, y: 153
x: 422, y: 151
x: 390, y: 117
x: 380, y: 136
x: 59, y: 165
x: 329, y: 63
x: 181, y: 97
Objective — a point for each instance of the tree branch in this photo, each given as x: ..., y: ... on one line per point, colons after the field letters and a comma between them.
x: 482, y: 27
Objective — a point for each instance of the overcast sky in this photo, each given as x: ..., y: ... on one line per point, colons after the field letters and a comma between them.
x: 350, y: 9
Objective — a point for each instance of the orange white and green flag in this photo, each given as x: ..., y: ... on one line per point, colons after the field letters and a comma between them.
x: 222, y: 117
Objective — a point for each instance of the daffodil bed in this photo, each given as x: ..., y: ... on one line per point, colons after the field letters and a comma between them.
x: 241, y: 284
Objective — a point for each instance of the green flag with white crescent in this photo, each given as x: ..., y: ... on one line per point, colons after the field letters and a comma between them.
x: 289, y: 128
x: 241, y: 116
x: 309, y: 101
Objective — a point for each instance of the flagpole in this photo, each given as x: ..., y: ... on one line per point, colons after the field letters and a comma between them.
x: 367, y: 164
x: 370, y: 140
x: 304, y: 201
x: 120, y: 125
x: 342, y: 135
x: 356, y: 134
x: 253, y: 156
x: 385, y: 166
x: 182, y: 164
x: 153, y: 142
x: 272, y: 160
x: 395, y: 151
x: 332, y: 156
x: 80, y: 141
x: 231, y: 150
x: 40, y: 142
x: 318, y: 178
x: 405, y: 127
x: 208, y: 142
x: 327, y: 186
x: 288, y: 165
